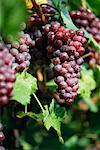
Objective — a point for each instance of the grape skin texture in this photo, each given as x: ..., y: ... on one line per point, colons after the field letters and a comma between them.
x: 86, y: 18
x: 20, y: 51
x: 7, y: 75
x: 66, y: 47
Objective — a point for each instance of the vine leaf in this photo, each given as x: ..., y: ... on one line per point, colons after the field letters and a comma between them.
x: 93, y: 43
x: 57, y: 4
x: 96, y: 70
x: 71, y: 142
x: 30, y: 114
x: 24, y: 86
x: 86, y: 85
x: 51, y: 85
x: 52, y: 118
x: 67, y: 19
x: 12, y: 15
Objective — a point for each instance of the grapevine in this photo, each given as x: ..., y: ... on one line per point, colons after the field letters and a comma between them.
x: 49, y: 75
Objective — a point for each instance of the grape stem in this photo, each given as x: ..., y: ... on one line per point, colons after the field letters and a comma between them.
x: 25, y: 108
x: 39, y: 75
x: 83, y: 2
x: 38, y: 102
x: 39, y: 11
x: 44, y: 74
x: 47, y: 15
x: 86, y: 55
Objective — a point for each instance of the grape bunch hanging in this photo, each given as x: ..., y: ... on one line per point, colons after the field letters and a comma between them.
x: 7, y: 74
x: 2, y: 137
x: 20, y: 51
x: 67, y: 48
x: 86, y: 18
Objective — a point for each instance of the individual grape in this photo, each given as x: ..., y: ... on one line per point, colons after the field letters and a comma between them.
x: 62, y: 85
x: 2, y: 137
x: 59, y: 79
x: 57, y: 53
x: 63, y: 71
x: 75, y: 88
x: 64, y: 56
x: 57, y: 68
x: 56, y: 60
x: 72, y: 81
x: 80, y: 61
x: 68, y: 89
x: 2, y: 148
x: 67, y: 75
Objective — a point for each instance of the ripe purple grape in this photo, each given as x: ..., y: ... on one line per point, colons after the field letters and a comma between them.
x: 7, y: 75
x: 59, y: 79
x: 67, y: 48
x: 20, y: 51
x: 86, y: 18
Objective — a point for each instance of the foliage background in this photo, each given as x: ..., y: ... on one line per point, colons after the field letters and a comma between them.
x: 80, y: 123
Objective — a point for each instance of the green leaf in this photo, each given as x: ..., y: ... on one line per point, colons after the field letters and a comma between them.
x: 97, y: 74
x: 52, y: 118
x: 67, y: 19
x: 91, y: 105
x: 12, y: 15
x: 71, y: 142
x: 57, y: 4
x: 95, y: 5
x: 24, y: 86
x: 51, y: 85
x: 29, y: 114
x: 93, y: 43
x: 74, y: 4
x: 25, y: 145
x: 86, y: 85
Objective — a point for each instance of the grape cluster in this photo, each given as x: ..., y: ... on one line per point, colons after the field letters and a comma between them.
x: 35, y: 29
x: 38, y: 52
x: 85, y: 18
x: 7, y: 74
x: 2, y: 137
x: 67, y: 47
x: 20, y: 51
